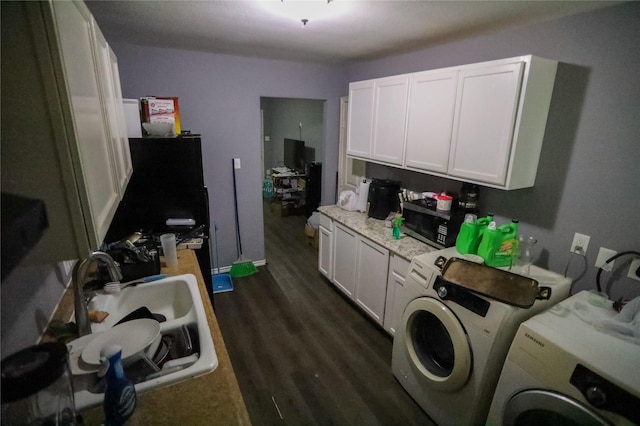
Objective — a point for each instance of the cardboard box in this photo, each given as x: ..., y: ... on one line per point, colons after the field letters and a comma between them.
x: 161, y: 110
x: 312, y: 236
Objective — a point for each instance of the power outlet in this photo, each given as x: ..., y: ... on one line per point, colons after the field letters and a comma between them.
x: 635, y: 264
x: 236, y: 163
x: 580, y: 241
x: 603, y: 255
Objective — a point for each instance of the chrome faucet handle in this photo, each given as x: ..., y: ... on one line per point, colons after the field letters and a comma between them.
x: 112, y: 266
x: 82, y: 298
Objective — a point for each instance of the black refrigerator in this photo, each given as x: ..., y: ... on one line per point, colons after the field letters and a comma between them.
x: 167, y: 183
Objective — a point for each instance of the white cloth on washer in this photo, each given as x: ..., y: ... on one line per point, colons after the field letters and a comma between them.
x: 625, y: 325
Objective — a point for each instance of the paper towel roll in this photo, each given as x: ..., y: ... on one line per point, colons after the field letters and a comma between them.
x: 363, y: 196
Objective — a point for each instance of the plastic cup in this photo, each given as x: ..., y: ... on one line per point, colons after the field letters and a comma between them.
x: 524, y: 256
x: 169, y: 249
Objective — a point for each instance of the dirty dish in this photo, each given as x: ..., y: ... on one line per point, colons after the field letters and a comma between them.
x: 75, y: 348
x: 133, y: 336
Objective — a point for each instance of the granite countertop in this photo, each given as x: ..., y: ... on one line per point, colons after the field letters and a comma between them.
x: 374, y: 229
x: 210, y: 399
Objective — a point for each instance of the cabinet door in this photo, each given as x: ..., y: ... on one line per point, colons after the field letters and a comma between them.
x: 432, y: 99
x: 100, y: 195
x: 125, y: 168
x: 113, y: 110
x: 486, y: 107
x: 325, y: 260
x: 350, y: 171
x: 390, y: 119
x: 360, y: 119
x: 344, y: 259
x: 371, y: 278
x: 398, y: 268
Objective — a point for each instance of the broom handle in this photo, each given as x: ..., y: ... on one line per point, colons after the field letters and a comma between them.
x: 235, y: 204
x: 215, y: 234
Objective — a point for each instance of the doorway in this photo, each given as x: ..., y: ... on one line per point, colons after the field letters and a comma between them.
x: 300, y: 121
x: 289, y: 118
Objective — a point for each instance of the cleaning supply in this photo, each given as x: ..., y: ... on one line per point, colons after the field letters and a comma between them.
x: 242, y: 267
x: 482, y: 222
x: 467, y: 240
x: 490, y: 244
x: 396, y: 222
x: 267, y: 188
x: 120, y: 394
x: 220, y: 282
x: 504, y: 256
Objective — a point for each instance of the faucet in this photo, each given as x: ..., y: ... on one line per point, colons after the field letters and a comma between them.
x: 80, y: 300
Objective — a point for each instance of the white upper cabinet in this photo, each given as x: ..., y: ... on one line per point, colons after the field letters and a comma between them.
x: 125, y: 168
x: 481, y: 123
x: 113, y: 110
x: 58, y: 146
x: 360, y: 119
x: 81, y: 63
x: 389, y: 119
x: 377, y: 119
x: 432, y: 97
x: 486, y: 109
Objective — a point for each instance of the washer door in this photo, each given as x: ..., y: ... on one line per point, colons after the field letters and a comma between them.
x: 541, y: 407
x: 437, y: 344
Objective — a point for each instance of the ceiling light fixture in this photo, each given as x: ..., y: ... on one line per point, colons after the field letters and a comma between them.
x: 306, y: 11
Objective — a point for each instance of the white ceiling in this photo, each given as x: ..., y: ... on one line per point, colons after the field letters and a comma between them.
x: 358, y: 30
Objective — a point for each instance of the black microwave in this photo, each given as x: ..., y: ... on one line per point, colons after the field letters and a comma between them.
x: 423, y: 222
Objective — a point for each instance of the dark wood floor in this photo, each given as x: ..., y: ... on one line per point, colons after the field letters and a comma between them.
x: 302, y: 353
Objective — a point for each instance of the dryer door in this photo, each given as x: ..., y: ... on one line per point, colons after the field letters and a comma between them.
x: 437, y: 344
x: 541, y: 407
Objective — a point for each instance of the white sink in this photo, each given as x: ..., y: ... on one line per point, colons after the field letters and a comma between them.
x: 171, y: 297
x: 178, y: 299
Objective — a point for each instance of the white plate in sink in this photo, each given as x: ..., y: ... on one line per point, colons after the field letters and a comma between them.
x: 133, y: 336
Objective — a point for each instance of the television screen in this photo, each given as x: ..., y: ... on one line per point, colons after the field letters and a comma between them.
x: 294, y: 155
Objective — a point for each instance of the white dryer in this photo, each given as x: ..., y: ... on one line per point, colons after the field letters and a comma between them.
x: 448, y: 351
x: 560, y: 369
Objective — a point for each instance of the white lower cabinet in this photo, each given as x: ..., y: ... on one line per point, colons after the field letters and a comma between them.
x: 359, y: 267
x: 398, y: 268
x: 325, y: 247
x: 345, y: 248
x: 371, y: 278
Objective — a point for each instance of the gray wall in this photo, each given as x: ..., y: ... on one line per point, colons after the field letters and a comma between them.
x: 589, y: 175
x: 220, y: 98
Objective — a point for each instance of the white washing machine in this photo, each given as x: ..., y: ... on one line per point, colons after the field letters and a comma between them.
x: 448, y: 354
x: 560, y: 369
